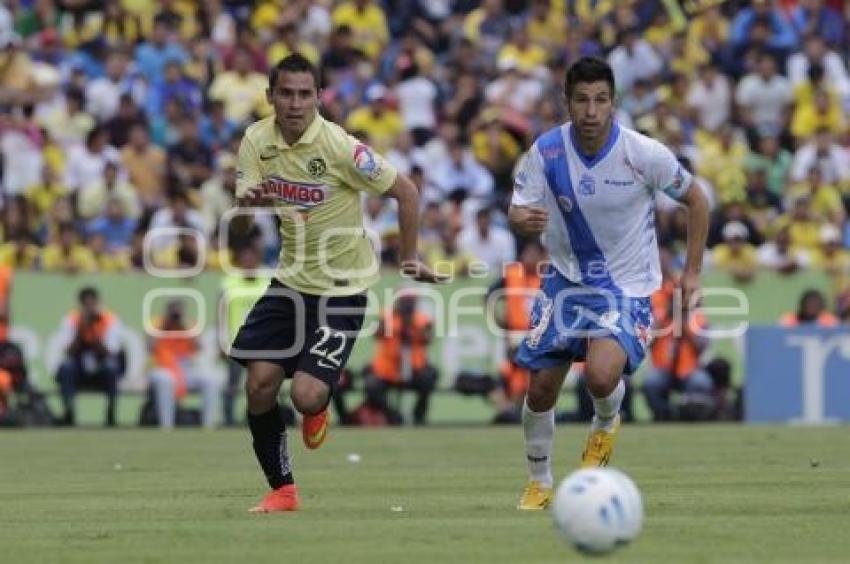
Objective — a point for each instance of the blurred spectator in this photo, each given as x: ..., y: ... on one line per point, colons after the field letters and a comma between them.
x: 114, y: 226
x: 129, y: 115
x: 529, y: 57
x: 448, y: 258
x: 710, y: 98
x: 811, y: 311
x: 722, y: 159
x: 174, y: 85
x: 68, y: 254
x: 65, y: 118
x: 91, y: 338
x: 487, y: 27
x: 823, y: 111
x: 146, y: 167
x: 779, y: 255
x: 735, y: 255
x: 464, y: 103
x: 831, y: 257
x: 488, y: 243
x: 43, y: 195
x: 763, y: 205
x: 825, y: 199
x: 734, y: 210
x: 190, y: 162
x: 816, y: 53
x: 803, y: 225
x: 461, y: 172
x: 633, y: 59
x: 175, y: 371
x: 288, y: 42
x: 104, y: 94
x: 675, y: 352
x: 546, y: 25
x: 92, y: 199
x: 514, y: 89
x: 106, y: 261
x: 86, y: 164
x: 378, y: 120
x: 242, y: 90
x: 417, y: 96
x: 368, y: 24
x: 21, y: 143
x: 178, y: 215
x: 17, y: 85
x: 218, y: 194
x: 764, y: 98
x: 120, y: 27
x: 812, y: 17
x: 152, y: 55
x: 781, y: 36
x: 774, y: 160
x: 216, y: 129
x: 823, y: 152
x: 495, y: 148
x: 401, y: 359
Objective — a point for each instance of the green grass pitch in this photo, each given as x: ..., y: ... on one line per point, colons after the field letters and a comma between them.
x: 712, y: 494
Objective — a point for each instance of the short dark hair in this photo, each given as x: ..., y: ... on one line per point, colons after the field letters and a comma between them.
x: 296, y: 62
x: 87, y: 293
x: 589, y: 69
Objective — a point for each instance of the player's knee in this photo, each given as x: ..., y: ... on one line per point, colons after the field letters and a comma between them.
x: 600, y: 382
x: 309, y: 395
x: 542, y: 394
x: 259, y: 390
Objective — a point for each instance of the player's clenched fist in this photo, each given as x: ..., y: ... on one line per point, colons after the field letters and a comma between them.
x: 527, y: 220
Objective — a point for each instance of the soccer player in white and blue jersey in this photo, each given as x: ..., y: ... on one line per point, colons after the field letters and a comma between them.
x: 588, y: 187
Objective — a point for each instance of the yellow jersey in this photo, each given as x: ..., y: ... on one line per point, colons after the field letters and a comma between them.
x: 316, y: 183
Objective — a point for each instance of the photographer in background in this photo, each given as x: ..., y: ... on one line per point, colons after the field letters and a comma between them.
x: 91, y: 338
x: 401, y: 359
x: 174, y: 373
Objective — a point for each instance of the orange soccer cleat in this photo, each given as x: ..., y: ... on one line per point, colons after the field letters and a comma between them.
x: 285, y: 498
x: 314, y: 429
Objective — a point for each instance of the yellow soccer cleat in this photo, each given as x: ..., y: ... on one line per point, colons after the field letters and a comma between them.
x: 535, y: 497
x: 599, y: 446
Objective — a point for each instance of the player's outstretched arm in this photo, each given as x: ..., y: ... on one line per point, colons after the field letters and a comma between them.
x: 697, y: 204
x: 252, y: 198
x: 528, y: 221
x: 407, y: 196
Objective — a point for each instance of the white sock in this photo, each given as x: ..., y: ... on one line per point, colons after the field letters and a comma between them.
x: 539, y: 433
x: 607, y: 408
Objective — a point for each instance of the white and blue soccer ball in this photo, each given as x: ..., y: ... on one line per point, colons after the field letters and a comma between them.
x: 597, y: 510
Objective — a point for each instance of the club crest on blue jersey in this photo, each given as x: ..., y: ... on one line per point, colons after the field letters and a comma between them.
x: 587, y: 185
x: 565, y: 203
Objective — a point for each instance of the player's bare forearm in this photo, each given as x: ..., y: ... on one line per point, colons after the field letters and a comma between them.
x: 528, y: 221
x: 407, y: 196
x: 697, y: 205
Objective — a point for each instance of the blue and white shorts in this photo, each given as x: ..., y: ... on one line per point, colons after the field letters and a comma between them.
x: 567, y: 315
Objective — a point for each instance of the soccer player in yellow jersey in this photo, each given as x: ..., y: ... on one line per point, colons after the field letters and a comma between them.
x: 304, y: 327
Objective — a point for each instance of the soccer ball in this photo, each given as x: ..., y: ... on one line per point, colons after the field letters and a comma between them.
x: 597, y: 509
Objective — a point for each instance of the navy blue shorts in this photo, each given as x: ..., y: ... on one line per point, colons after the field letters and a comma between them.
x: 567, y: 315
x: 301, y: 332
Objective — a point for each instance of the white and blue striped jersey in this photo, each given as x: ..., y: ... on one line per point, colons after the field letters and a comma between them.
x: 601, y: 230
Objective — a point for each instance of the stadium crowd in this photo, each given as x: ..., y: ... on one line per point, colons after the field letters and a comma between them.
x: 121, y: 116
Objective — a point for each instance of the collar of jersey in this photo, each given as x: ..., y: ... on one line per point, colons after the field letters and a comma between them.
x: 306, y: 138
x: 591, y: 161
